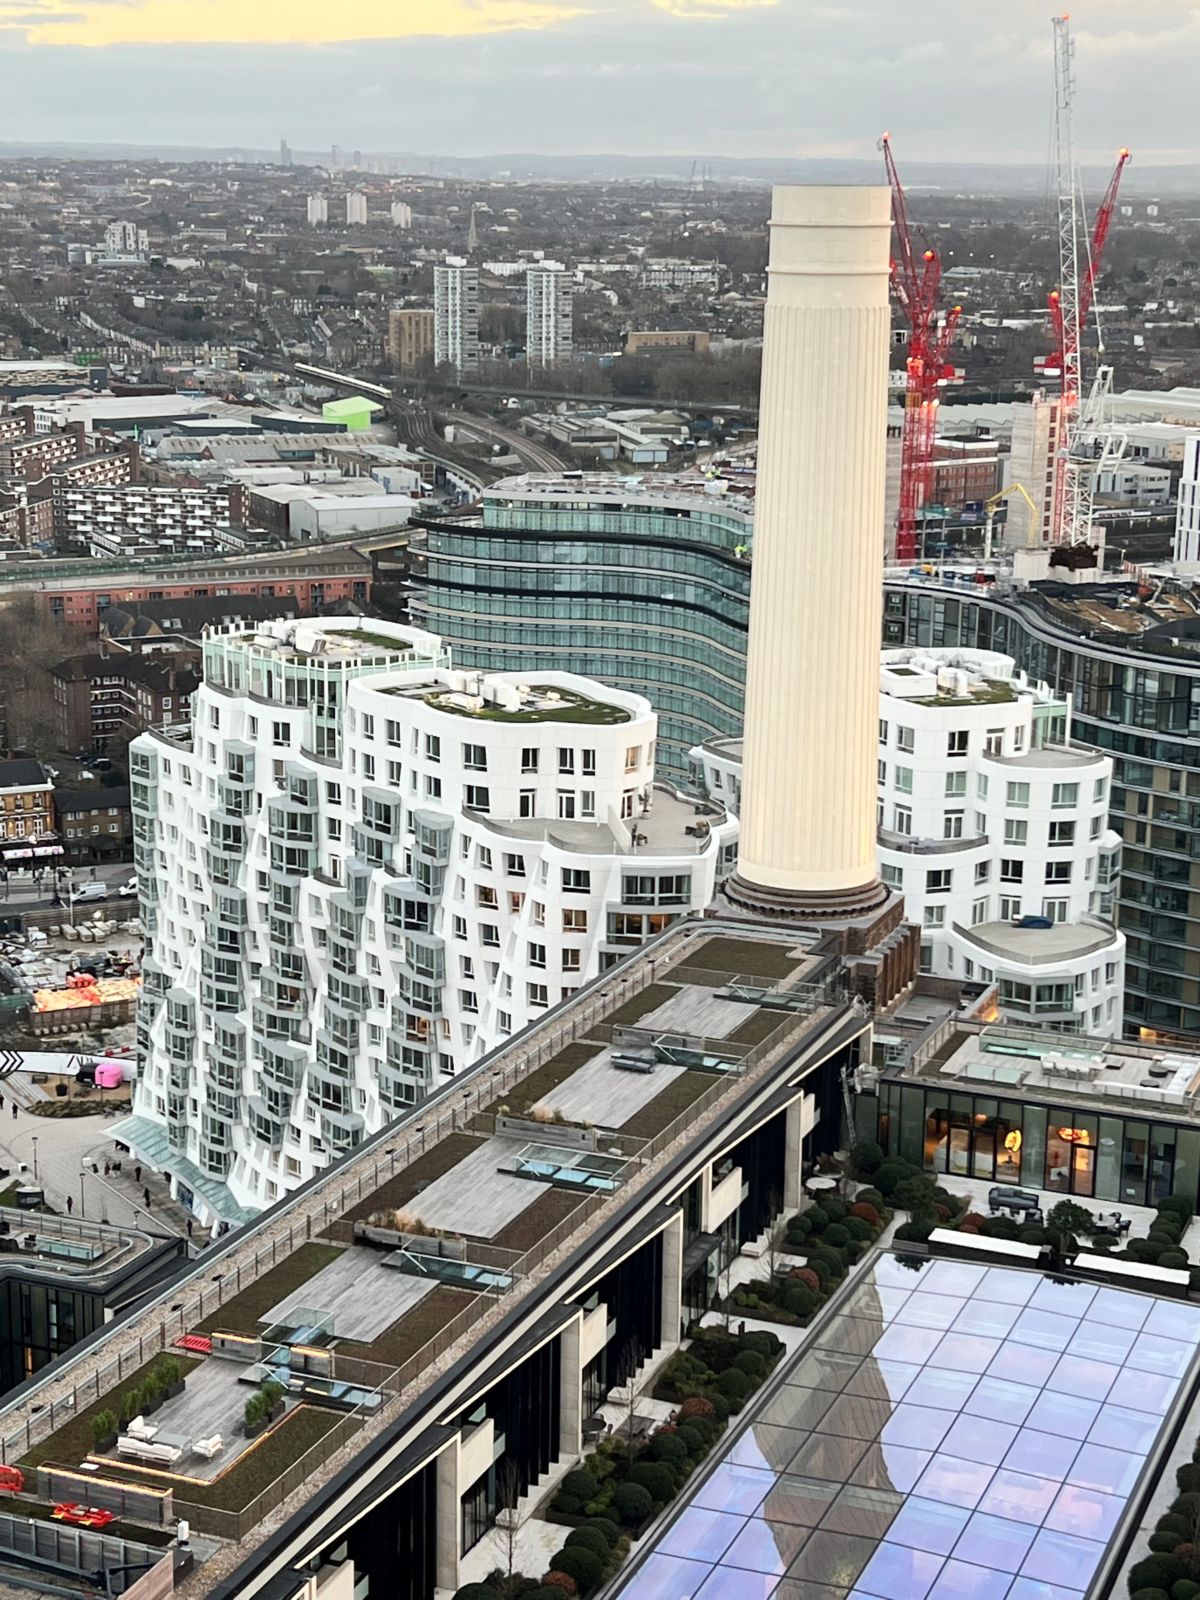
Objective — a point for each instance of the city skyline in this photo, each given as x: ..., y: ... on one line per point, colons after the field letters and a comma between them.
x: 744, y: 77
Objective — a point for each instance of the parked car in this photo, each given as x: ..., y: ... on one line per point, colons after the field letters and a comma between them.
x: 92, y: 891
x: 129, y: 887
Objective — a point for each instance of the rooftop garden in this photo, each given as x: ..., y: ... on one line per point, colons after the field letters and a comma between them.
x: 990, y: 692
x: 569, y: 707
x: 245, y: 1312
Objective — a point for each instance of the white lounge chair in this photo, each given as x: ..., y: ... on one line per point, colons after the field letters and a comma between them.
x: 208, y: 1448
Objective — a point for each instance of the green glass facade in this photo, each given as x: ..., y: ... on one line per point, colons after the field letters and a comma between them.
x: 650, y: 598
x: 1066, y: 1150
x: 1142, y: 709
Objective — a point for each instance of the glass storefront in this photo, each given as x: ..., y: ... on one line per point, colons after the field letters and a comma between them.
x: 1064, y: 1150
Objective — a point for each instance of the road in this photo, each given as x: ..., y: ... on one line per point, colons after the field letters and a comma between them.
x: 21, y: 893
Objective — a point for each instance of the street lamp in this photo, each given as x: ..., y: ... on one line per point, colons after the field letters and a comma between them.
x: 35, y: 1166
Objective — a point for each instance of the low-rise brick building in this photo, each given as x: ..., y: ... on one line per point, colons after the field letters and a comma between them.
x: 94, y: 824
x: 26, y: 800
x: 97, y: 697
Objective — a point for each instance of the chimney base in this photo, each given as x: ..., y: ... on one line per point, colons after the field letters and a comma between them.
x: 792, y: 905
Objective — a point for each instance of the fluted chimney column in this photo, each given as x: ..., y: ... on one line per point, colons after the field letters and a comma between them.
x: 812, y: 688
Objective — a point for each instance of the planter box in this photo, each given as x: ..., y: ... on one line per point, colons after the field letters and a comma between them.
x: 253, y: 1429
x: 176, y: 1389
x: 104, y: 1444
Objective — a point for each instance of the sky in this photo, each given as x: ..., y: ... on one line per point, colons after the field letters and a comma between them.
x: 953, y: 80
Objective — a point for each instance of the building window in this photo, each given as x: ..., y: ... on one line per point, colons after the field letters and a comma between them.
x: 902, y: 820
x: 956, y: 742
x: 1056, y: 910
x: 538, y: 994
x: 566, y: 804
x: 1062, y: 833
x: 952, y: 825
x: 935, y: 916
x: 1016, y: 831
x: 478, y: 797
x: 527, y: 803
x: 433, y: 747
x: 433, y: 788
x: 1064, y: 795
x: 956, y: 785
x: 1010, y: 908
x: 1012, y: 870
x: 279, y: 733
x: 566, y: 761
x: 575, y: 921
x: 576, y: 880
x: 1098, y: 789
x: 537, y: 955
x: 883, y: 731
x: 938, y: 881
x: 1018, y: 794
x: 891, y: 875
x: 572, y: 960
x: 587, y: 763
x: 529, y: 759
x: 904, y: 740
x: 904, y: 780
x: 474, y: 758
x: 514, y: 866
x: 994, y: 743
x: 979, y: 912
x: 983, y: 871
x: 633, y: 757
x: 1058, y: 872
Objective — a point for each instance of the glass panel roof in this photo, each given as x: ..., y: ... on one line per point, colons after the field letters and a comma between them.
x: 956, y: 1432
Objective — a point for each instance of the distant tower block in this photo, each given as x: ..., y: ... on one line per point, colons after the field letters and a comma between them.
x: 808, y: 781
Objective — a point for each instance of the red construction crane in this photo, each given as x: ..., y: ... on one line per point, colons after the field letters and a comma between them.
x: 916, y: 281
x: 1066, y: 344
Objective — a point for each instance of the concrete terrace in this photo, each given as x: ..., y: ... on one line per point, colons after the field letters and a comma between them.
x: 469, y: 1238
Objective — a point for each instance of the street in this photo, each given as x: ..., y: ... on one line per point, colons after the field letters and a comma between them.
x: 21, y: 893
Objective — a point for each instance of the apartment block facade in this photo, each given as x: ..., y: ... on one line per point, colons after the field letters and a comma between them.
x: 361, y: 871
x: 410, y: 337
x: 456, y: 315
x: 549, y: 295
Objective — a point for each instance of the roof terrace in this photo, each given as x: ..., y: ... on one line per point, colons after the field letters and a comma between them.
x: 351, y: 1296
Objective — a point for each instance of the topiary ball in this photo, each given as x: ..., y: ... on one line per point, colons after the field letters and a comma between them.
x: 632, y: 1503
x: 584, y: 1566
x: 588, y: 1539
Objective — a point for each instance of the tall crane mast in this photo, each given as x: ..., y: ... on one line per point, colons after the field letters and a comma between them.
x: 1071, y: 303
x: 916, y: 282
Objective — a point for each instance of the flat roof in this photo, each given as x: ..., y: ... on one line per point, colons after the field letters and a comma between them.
x: 952, y: 1431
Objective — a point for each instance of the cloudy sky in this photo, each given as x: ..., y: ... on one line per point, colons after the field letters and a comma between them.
x: 952, y: 79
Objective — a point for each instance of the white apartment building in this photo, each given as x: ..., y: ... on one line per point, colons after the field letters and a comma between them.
x: 1187, y: 511
x: 318, y: 210
x: 126, y: 239
x: 361, y: 870
x: 402, y: 214
x: 1031, y: 463
x: 456, y: 314
x: 356, y: 209
x: 548, y: 301
x: 996, y: 830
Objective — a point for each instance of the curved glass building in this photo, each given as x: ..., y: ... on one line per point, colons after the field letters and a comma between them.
x: 643, y: 583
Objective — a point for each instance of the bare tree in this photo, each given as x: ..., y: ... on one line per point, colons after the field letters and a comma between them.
x: 508, y: 1511
x: 631, y: 1360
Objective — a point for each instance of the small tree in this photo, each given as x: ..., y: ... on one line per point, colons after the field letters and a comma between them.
x: 631, y: 1360
x: 508, y: 1511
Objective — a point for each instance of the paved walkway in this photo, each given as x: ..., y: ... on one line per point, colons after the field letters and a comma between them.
x: 64, y: 1151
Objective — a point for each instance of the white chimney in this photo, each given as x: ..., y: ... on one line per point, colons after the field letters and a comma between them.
x: 808, y: 816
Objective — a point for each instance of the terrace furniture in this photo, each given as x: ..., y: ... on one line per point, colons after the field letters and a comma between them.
x: 141, y: 1429
x: 208, y: 1448
x: 634, y: 1060
x: 1017, y: 1202
x: 145, y: 1450
x: 1114, y: 1222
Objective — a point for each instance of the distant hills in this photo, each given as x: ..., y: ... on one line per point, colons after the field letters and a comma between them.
x: 978, y: 177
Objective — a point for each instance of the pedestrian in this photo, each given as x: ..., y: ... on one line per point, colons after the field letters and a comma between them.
x: 107, y: 1169
x: 146, y: 1197
x: 1, y: 1102
x: 14, y: 1108
x: 189, y: 1227
x: 70, y: 1204
x: 137, y: 1174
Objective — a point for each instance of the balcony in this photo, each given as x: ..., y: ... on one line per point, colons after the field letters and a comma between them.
x: 907, y: 845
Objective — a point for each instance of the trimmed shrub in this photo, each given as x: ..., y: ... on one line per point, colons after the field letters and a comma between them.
x: 104, y: 1428
x: 768, y: 1345
x: 916, y: 1194
x: 552, y: 1587
x: 736, y: 1386
x: 1179, y: 1204
x: 1033, y: 1233
x: 1174, y: 1259
x: 751, y: 1363
x: 801, y: 1302
x: 806, y: 1278
x: 668, y: 1447
x: 891, y: 1172
x: 632, y: 1503
x: 818, y: 1219
x: 917, y: 1230
x: 1163, y: 1544
x: 800, y: 1227
x: 864, y: 1211
x: 655, y: 1477
x: 1187, y: 1480
x: 1000, y: 1228
x: 820, y: 1271
x: 695, y: 1406
x: 576, y: 1490
x: 1155, y: 1572
x: 583, y: 1565
x: 833, y: 1208
x: 867, y: 1158
x: 869, y: 1197
x: 1185, y: 1589
x: 588, y: 1539
x: 1172, y: 1522
x: 697, y: 1439
x: 860, y: 1231
x: 475, y: 1591
x: 608, y: 1529
x: 836, y: 1236
x: 1152, y: 1594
